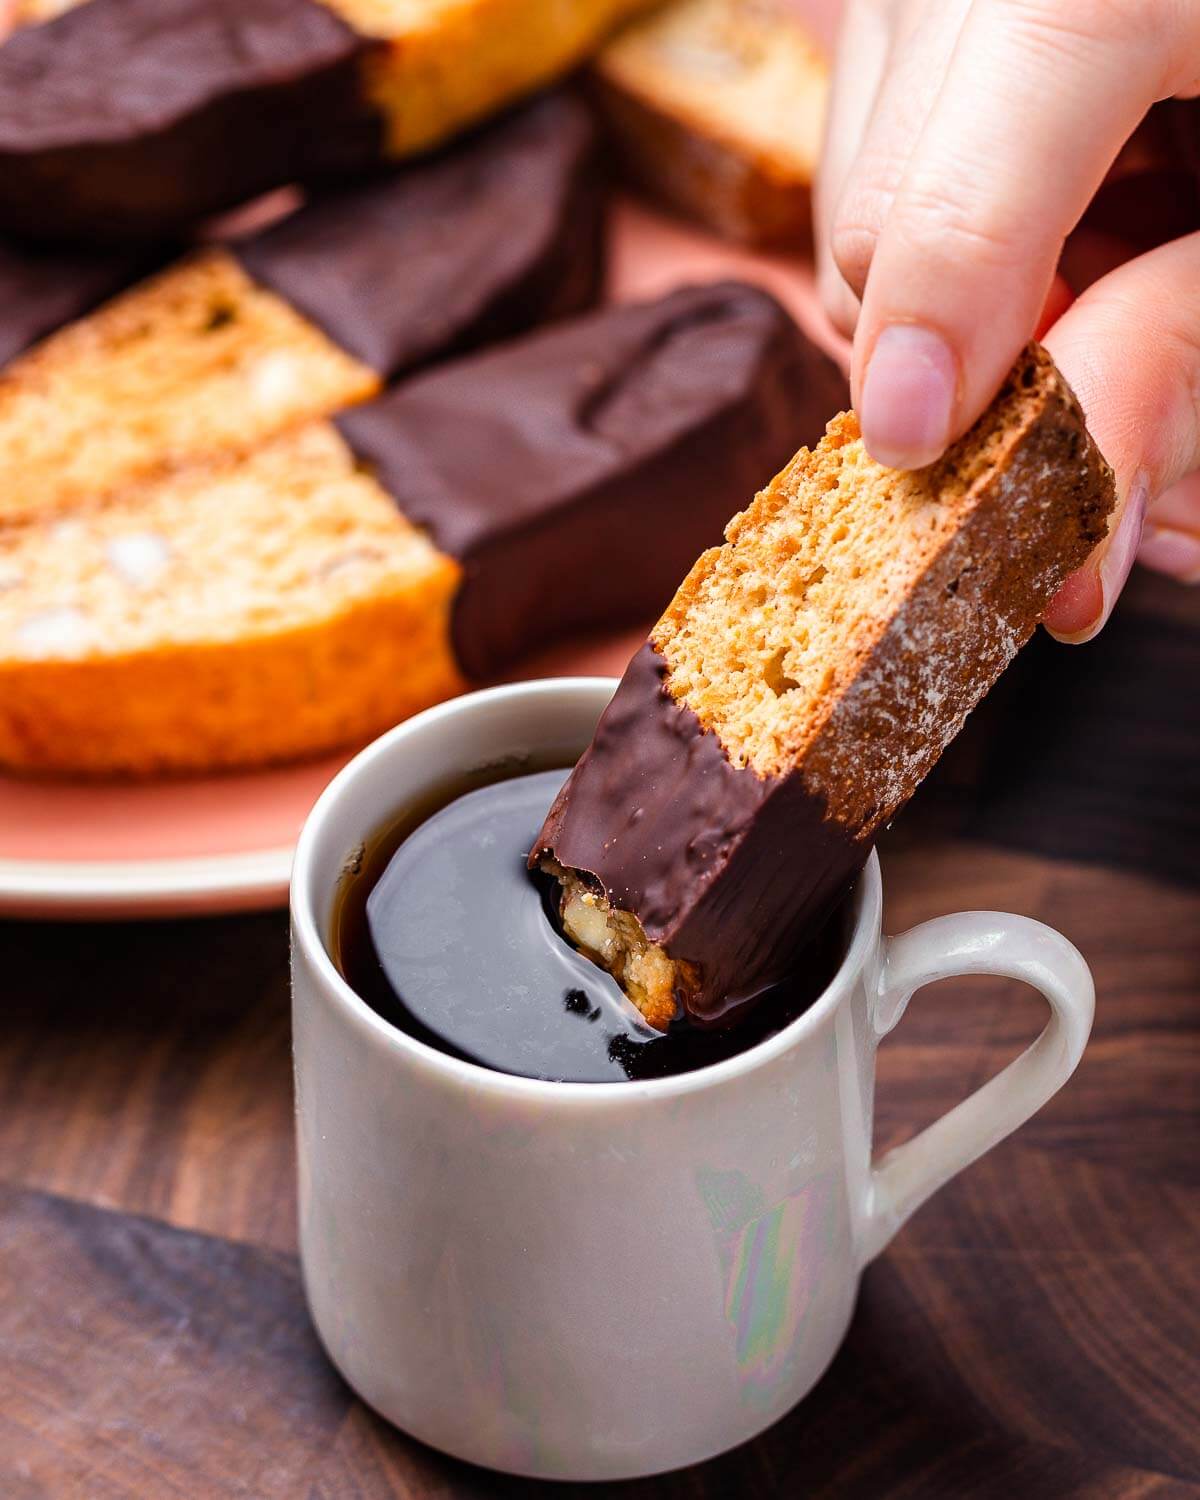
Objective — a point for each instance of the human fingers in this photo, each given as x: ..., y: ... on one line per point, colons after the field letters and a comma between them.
x: 1171, y: 539
x: 860, y: 57
x: 967, y: 253
x: 922, y: 41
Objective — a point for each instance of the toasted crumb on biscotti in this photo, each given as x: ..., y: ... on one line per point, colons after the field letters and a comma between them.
x: 614, y: 939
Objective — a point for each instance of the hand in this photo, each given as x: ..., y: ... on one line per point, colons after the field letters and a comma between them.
x: 966, y: 140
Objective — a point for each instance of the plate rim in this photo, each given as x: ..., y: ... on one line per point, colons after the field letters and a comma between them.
x: 249, y: 879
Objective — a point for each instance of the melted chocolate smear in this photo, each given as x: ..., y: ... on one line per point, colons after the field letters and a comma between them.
x: 462, y: 950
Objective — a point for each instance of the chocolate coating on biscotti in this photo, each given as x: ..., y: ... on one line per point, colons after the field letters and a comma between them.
x: 577, y: 473
x: 42, y: 290
x: 734, y: 870
x: 130, y: 119
x: 480, y: 243
x: 728, y: 869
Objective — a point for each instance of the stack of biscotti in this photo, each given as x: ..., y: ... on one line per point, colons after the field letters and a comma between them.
x: 130, y: 119
x: 351, y: 571
x: 717, y: 106
x: 240, y: 342
x: 805, y: 678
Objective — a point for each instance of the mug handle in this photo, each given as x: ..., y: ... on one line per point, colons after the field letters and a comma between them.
x: 975, y: 942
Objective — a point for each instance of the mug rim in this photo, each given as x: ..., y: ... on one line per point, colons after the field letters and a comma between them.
x: 306, y: 934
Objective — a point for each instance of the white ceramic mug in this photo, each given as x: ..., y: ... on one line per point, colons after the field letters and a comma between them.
x: 595, y: 1281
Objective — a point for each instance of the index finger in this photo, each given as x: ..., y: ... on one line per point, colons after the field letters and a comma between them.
x: 1037, y: 101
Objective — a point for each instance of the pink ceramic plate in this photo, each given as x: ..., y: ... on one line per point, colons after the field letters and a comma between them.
x: 224, y: 843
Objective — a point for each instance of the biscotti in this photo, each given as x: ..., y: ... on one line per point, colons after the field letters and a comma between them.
x: 805, y: 678
x: 236, y: 344
x: 717, y: 106
x: 267, y: 608
x: 129, y: 119
x: 352, y: 572
x: 574, y: 474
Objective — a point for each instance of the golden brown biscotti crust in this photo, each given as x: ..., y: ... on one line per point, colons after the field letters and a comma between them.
x: 236, y: 614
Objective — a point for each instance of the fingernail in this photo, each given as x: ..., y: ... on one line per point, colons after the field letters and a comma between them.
x: 1074, y: 610
x: 908, y: 397
x: 1176, y: 553
x: 1081, y: 608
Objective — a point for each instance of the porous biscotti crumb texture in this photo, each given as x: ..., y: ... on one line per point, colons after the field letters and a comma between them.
x: 856, y: 614
x: 192, y: 364
x: 235, y: 614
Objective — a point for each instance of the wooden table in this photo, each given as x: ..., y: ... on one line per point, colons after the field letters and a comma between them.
x: 1034, y: 1332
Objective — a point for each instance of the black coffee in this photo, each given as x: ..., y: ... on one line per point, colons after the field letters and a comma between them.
x: 449, y: 937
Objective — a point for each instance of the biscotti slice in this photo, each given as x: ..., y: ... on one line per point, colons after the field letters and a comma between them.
x: 273, y: 607
x: 805, y: 678
x: 556, y: 482
x: 238, y: 343
x: 130, y: 119
x: 717, y: 106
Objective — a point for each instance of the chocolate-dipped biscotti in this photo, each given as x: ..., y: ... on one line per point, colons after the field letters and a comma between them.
x: 128, y: 119
x: 238, y: 343
x: 353, y: 571
x: 575, y: 474
x: 717, y: 106
x: 805, y: 678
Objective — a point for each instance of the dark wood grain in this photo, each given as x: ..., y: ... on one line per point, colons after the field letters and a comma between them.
x: 1034, y: 1331
x: 147, y: 1066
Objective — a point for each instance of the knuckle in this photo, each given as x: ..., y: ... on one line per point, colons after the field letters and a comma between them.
x: 960, y: 230
x: 1157, y: 38
x: 1073, y: 20
x: 852, y: 246
x: 858, y: 223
